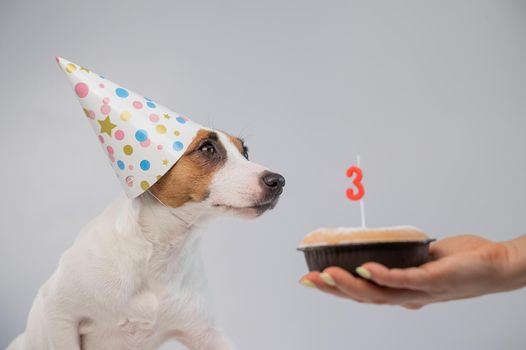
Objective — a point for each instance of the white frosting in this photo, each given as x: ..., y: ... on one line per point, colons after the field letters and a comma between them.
x: 349, y: 230
x: 343, y: 230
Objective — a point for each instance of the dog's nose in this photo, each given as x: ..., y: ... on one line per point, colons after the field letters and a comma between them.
x: 273, y: 181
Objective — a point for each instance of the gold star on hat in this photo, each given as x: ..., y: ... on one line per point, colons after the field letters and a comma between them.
x: 106, y: 126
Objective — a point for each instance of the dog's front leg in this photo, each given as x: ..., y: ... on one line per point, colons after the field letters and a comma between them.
x: 50, y: 326
x: 207, y: 339
x: 62, y: 333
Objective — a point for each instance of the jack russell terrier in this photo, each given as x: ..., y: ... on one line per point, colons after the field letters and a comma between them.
x: 133, y: 279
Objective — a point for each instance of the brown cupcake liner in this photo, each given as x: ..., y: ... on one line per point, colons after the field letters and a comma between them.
x: 349, y: 256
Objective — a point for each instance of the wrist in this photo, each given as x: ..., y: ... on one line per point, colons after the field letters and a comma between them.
x: 516, y: 262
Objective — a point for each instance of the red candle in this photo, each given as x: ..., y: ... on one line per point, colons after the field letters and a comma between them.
x: 357, y: 182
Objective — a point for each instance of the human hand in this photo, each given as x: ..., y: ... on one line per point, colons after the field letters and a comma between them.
x: 460, y: 267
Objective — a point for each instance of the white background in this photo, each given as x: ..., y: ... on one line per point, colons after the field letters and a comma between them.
x: 432, y: 94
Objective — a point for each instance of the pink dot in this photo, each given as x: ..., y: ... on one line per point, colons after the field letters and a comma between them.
x: 91, y: 114
x: 109, y: 149
x: 129, y: 180
x: 119, y: 134
x: 154, y: 118
x: 82, y: 90
x: 145, y: 143
x: 112, y: 158
x: 101, y: 86
x: 137, y: 104
x: 159, y: 147
x: 130, y: 167
x: 101, y: 139
x: 106, y: 100
x: 105, y: 109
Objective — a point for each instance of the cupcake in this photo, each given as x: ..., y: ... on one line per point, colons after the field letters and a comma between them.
x: 349, y: 248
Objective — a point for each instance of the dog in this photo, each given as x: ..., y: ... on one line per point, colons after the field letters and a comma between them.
x: 133, y: 279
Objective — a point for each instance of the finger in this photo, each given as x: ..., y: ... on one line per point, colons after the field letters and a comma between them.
x: 313, y: 279
x: 413, y: 306
x: 414, y: 278
x: 456, y: 244
x: 442, y: 248
x: 435, y: 251
x: 360, y: 289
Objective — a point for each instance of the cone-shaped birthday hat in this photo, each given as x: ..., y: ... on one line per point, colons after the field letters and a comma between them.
x: 142, y: 139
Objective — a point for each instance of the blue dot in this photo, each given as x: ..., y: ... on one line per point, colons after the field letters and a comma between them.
x: 145, y: 165
x: 120, y: 164
x: 141, y: 135
x: 151, y: 104
x: 178, y: 145
x: 181, y: 120
x: 121, y: 92
x: 147, y: 99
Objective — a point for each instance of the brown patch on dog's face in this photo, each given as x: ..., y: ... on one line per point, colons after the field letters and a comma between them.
x: 239, y: 143
x: 189, y: 179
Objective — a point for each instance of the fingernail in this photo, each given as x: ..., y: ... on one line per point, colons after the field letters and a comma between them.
x: 307, y: 283
x: 363, y: 272
x: 327, y: 279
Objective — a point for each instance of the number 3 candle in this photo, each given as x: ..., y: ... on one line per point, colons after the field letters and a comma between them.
x: 357, y: 193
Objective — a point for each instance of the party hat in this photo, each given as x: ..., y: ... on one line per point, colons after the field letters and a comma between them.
x: 141, y: 138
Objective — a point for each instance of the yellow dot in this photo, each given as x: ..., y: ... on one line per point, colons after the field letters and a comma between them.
x: 125, y: 116
x: 161, y: 129
x: 145, y: 185
x: 127, y: 150
x: 177, y: 133
x: 70, y: 68
x: 158, y: 177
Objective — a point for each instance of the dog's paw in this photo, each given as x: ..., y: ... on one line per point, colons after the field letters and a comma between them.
x: 141, y: 314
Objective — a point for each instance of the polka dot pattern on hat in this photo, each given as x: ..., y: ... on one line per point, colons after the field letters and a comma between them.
x: 141, y: 138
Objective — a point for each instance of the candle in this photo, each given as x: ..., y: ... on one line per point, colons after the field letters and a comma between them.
x: 357, y: 193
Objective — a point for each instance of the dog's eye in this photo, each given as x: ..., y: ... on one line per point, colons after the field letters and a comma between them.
x: 245, y: 152
x: 207, y: 147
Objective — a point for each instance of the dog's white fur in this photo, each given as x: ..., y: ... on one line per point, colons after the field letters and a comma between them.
x: 133, y: 279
